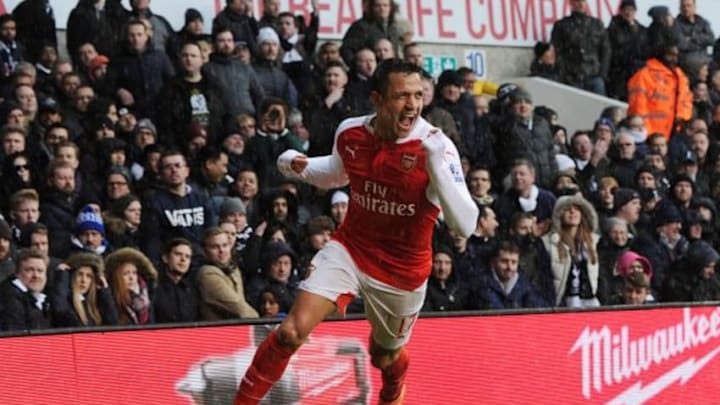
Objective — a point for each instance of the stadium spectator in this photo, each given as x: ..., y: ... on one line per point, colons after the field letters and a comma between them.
x: 81, y: 294
x: 192, y: 31
x: 583, y: 49
x: 23, y: 304
x: 572, y: 247
x: 176, y: 298
x: 141, y: 70
x: 635, y: 290
x: 176, y: 210
x: 694, y: 278
x: 97, y: 22
x: 628, y: 41
x: 89, y: 232
x: 222, y: 295
x: 504, y: 285
x: 122, y: 222
x: 446, y: 291
x: 377, y: 22
x: 267, y: 67
x: 358, y: 86
x: 279, y: 269
x: 132, y: 277
x: 439, y: 116
x: 694, y: 32
x: 242, y: 89
x: 413, y: 53
x: 545, y: 62
x: 238, y: 19
x: 335, y: 103
x: 7, y: 265
x: 190, y: 98
x: 12, y: 51
x: 35, y: 21
x: 534, y: 258
x: 298, y: 44
x: 525, y: 196
x: 58, y: 206
x: 161, y: 32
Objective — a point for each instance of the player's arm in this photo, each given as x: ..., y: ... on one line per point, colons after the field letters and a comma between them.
x: 447, y: 181
x: 324, y: 172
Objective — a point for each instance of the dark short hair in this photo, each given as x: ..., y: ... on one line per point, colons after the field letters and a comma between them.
x: 29, y: 253
x: 505, y: 246
x: 5, y: 18
x: 175, y: 242
x: 209, y: 153
x: 379, y: 82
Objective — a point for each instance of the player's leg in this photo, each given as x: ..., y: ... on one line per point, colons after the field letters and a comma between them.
x: 321, y: 294
x: 273, y: 354
x: 392, y: 313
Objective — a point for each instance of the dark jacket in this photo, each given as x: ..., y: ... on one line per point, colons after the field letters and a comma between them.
x: 176, y: 302
x: 243, y: 27
x: 58, y: 214
x: 242, y: 90
x: 167, y: 215
x: 550, y: 72
x: 18, y: 310
x: 582, y: 47
x: 364, y: 33
x: 452, y: 295
x: 518, y: 141
x: 101, y: 29
x: 629, y: 51
x: 275, y: 82
x: 35, y: 26
x: 162, y: 32
x: 176, y: 103
x: 143, y: 74
x: 63, y: 312
x: 490, y: 294
x: 322, y: 122
x: 661, y: 258
x: 264, y: 151
x: 696, y: 37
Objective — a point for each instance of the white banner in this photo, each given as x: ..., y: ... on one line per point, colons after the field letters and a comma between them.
x: 473, y: 22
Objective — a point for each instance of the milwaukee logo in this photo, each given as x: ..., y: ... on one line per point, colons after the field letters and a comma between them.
x: 613, y: 357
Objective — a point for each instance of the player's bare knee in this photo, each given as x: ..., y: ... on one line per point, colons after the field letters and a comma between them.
x: 290, y: 336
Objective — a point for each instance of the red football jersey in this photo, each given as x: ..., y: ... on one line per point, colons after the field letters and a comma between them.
x: 389, y: 223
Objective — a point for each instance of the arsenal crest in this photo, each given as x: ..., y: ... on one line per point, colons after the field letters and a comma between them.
x: 408, y: 161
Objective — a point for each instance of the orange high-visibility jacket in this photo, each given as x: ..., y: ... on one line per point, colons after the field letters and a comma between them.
x: 660, y: 95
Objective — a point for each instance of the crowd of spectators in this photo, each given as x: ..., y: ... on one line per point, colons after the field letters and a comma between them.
x: 139, y: 182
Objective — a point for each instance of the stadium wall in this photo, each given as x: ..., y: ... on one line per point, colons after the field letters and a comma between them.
x: 634, y: 356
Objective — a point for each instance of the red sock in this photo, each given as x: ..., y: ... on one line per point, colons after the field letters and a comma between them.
x: 268, y: 365
x: 393, y: 376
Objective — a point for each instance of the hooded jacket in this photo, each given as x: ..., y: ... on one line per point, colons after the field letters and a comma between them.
x: 146, y: 272
x: 561, y: 267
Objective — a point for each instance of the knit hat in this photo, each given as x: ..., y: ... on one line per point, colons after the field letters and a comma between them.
x: 267, y: 34
x: 689, y: 158
x: 191, y: 15
x: 5, y: 232
x: 520, y: 94
x: 627, y: 258
x: 121, y: 170
x: 88, y: 219
x: 275, y: 250
x: 145, y: 123
x: 98, y: 61
x: 666, y: 213
x: 658, y: 12
x: 628, y: 3
x: 540, y: 48
x: 232, y: 205
x: 504, y: 91
x: 339, y: 197
x: 624, y: 196
x: 605, y: 122
x: 700, y: 254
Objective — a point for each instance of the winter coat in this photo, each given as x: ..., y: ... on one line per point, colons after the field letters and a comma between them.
x: 167, y: 215
x: 176, y: 103
x: 176, y: 302
x: 242, y: 90
x: 322, y: 122
x: 490, y: 294
x: 441, y: 118
x: 264, y: 150
x: 222, y: 294
x: 660, y: 95
x: 661, y: 258
x: 582, y: 47
x: 561, y: 266
x: 452, y: 295
x: 35, y: 25
x: 18, y: 310
x: 63, y: 311
x: 162, y: 32
x: 103, y: 29
x: 243, y: 27
x: 508, y: 204
x: 364, y: 33
x: 147, y: 275
x: 58, y: 214
x: 697, y: 36
x: 533, y: 142
x: 629, y: 50
x: 275, y: 82
x: 143, y: 74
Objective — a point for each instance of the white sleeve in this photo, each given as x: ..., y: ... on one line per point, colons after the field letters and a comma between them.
x: 324, y: 172
x: 447, y: 183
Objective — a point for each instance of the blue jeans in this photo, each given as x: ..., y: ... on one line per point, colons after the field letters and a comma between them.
x: 595, y: 84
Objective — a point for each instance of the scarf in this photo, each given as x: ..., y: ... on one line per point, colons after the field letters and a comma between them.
x: 139, y: 308
x: 529, y: 204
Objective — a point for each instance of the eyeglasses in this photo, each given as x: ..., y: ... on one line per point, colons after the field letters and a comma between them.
x: 21, y: 167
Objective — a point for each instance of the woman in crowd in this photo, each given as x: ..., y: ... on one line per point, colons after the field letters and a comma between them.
x: 132, y: 277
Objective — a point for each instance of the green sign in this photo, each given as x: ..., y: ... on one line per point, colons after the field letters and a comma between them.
x: 435, y: 65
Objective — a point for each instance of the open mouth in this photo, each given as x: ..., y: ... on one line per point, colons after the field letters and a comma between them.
x: 406, y: 121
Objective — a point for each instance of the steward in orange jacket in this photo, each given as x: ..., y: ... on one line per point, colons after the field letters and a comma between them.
x: 660, y: 92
